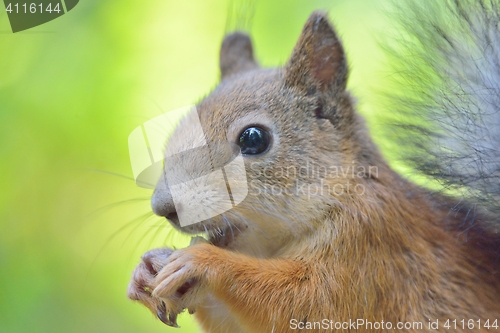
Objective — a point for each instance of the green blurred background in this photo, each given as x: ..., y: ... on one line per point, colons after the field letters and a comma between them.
x: 72, y: 222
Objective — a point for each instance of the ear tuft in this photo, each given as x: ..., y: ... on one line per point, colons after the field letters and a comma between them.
x: 318, y: 57
x: 236, y: 54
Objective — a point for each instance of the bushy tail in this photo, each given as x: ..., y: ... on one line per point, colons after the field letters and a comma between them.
x: 448, y: 65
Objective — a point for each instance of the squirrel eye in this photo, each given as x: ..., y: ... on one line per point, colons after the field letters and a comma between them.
x: 254, y: 140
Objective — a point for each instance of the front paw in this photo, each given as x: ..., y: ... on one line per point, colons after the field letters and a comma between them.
x: 144, y: 281
x: 169, y: 281
x: 181, y: 282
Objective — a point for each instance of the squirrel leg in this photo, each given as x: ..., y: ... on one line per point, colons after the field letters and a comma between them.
x: 269, y: 292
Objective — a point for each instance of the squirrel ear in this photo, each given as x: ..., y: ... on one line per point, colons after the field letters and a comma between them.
x: 318, y: 58
x: 236, y: 54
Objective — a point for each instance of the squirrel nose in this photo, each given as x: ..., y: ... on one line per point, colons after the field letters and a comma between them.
x: 163, y: 204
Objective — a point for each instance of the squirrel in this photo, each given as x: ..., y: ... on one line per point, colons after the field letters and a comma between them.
x: 329, y: 237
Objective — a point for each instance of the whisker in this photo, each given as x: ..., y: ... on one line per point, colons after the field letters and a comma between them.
x: 114, y: 205
x: 159, y: 229
x: 137, y: 220
x: 147, y: 217
x: 119, y: 175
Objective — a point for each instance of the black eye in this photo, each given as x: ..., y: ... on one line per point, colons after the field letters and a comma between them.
x: 254, y: 140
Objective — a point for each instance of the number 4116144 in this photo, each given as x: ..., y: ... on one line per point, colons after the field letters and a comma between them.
x: 32, y: 8
x: 471, y: 324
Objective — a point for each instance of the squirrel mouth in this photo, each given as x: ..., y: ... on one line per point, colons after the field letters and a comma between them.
x: 219, y: 237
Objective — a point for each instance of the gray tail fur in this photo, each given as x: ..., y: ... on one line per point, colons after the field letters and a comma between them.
x: 448, y: 97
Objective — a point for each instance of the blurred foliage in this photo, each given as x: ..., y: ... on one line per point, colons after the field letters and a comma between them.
x: 72, y: 222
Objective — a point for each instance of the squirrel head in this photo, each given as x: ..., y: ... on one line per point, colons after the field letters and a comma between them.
x: 302, y: 146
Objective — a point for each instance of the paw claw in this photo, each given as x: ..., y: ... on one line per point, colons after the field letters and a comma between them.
x: 168, y: 319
